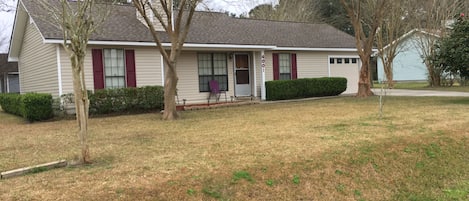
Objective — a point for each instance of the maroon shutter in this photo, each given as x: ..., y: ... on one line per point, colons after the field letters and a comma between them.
x: 294, y: 74
x: 130, y: 68
x: 276, y: 66
x: 98, y: 75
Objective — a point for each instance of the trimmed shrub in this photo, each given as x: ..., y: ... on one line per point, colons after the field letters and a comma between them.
x: 305, y: 88
x: 122, y: 100
x: 31, y: 106
x: 11, y: 103
x: 37, y: 107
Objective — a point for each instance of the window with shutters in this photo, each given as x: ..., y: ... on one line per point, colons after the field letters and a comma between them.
x: 114, y: 68
x: 284, y: 66
x: 212, y: 66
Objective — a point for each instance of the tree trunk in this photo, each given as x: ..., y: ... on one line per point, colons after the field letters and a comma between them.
x: 364, y: 86
x: 433, y: 76
x: 81, y: 106
x: 171, y: 80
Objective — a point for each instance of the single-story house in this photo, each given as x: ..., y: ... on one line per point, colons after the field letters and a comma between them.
x: 241, y: 54
x: 9, y: 78
x: 409, y: 64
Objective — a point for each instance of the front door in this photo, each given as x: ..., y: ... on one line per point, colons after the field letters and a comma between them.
x: 242, y: 78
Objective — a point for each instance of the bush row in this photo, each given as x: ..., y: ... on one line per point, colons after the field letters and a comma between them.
x: 123, y: 100
x: 31, y: 106
x: 305, y: 88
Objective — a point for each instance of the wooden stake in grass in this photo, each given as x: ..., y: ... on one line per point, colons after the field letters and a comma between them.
x: 33, y: 169
x: 381, y: 101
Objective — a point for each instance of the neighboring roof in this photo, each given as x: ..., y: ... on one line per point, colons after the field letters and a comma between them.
x: 208, y: 28
x: 6, y: 66
x: 433, y: 33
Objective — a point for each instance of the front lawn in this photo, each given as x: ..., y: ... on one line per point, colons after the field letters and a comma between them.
x: 329, y: 149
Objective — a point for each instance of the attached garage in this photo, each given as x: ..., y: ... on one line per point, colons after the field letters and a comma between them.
x: 348, y: 67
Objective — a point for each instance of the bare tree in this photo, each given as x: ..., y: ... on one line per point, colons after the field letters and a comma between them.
x: 77, y: 21
x: 176, y: 24
x: 4, y: 37
x: 7, y: 5
x: 285, y: 10
x: 431, y: 18
x: 366, y: 16
x: 263, y: 11
x: 395, y: 24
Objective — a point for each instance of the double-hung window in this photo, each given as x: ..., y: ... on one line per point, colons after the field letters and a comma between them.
x: 212, y: 66
x: 114, y: 68
x: 284, y: 66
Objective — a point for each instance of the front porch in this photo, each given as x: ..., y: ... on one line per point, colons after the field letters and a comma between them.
x: 239, y: 74
x: 234, y: 101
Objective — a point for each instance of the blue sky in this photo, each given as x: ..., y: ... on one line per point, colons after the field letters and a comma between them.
x: 232, y: 6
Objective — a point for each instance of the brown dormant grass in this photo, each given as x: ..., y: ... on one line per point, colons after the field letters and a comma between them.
x: 330, y: 149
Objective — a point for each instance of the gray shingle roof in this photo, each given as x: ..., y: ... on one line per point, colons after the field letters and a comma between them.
x: 208, y: 28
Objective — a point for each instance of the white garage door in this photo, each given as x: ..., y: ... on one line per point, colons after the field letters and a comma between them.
x: 347, y: 67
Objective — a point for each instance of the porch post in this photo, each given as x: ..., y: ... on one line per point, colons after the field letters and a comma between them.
x: 263, y: 75
x: 254, y: 94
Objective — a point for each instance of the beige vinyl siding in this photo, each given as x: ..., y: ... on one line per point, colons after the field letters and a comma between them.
x: 316, y: 64
x: 269, y: 66
x: 147, y: 67
x: 312, y: 64
x: 188, y: 85
x: 37, y: 64
x: 67, y: 77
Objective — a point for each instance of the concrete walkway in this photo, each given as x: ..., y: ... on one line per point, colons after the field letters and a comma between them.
x: 406, y: 92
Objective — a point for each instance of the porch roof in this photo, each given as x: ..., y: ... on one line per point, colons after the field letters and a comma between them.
x: 7, y: 67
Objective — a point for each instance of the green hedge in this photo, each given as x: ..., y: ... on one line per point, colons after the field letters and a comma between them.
x: 122, y: 100
x: 305, y: 88
x: 31, y: 106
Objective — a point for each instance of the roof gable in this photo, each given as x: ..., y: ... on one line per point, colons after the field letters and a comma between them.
x: 413, y: 32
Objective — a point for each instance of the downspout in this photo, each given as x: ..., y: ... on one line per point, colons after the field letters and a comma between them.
x: 162, y: 70
x: 7, y: 83
x: 59, y: 71
x: 172, y: 15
